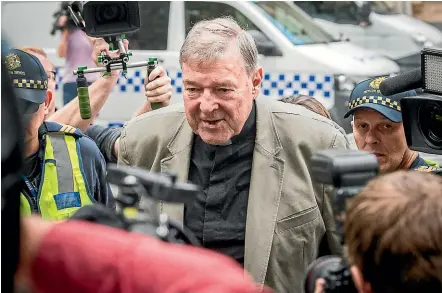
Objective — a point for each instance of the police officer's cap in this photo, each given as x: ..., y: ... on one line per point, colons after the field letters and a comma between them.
x: 366, y: 94
x: 28, y: 77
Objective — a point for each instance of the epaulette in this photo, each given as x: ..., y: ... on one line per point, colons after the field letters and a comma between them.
x: 67, y: 129
x: 426, y: 168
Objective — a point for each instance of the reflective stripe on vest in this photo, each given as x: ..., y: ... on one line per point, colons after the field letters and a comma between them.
x: 63, y: 189
x: 432, y: 163
x: 25, y: 207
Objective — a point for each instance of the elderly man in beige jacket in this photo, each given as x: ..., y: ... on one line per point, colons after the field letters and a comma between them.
x: 251, y: 156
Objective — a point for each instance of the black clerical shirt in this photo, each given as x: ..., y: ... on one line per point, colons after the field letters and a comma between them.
x: 218, y: 215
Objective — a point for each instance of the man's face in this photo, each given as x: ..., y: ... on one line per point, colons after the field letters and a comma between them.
x: 376, y: 134
x: 34, y: 120
x: 218, y: 96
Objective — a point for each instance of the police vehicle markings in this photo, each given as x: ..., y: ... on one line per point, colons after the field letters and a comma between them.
x: 274, y: 84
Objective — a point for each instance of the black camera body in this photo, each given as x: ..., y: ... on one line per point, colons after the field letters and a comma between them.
x: 348, y: 171
x: 422, y: 115
x: 139, y: 195
x: 422, y: 119
x: 106, y: 19
x: 334, y: 271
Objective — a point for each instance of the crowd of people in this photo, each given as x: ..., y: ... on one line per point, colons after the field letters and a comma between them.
x: 260, y: 217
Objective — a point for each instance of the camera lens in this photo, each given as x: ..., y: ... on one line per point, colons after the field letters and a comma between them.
x: 430, y: 123
x: 110, y: 13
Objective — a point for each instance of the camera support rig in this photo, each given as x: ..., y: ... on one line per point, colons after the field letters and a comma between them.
x: 118, y: 63
x: 123, y: 59
x: 114, y: 38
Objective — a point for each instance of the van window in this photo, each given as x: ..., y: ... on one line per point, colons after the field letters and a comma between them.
x: 346, y: 12
x: 152, y: 34
x: 319, y: 9
x: 196, y: 11
x: 290, y: 20
x: 342, y: 12
x: 384, y: 7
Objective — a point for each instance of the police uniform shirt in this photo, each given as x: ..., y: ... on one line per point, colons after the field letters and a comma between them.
x: 218, y: 215
x: 419, y: 162
x: 94, y: 170
x: 105, y: 138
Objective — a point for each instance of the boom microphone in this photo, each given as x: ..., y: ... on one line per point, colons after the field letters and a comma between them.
x: 403, y: 82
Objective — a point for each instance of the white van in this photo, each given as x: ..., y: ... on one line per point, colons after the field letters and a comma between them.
x: 385, y: 30
x: 296, y: 54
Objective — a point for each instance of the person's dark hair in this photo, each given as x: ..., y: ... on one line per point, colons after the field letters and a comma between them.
x: 308, y: 102
x: 393, y: 232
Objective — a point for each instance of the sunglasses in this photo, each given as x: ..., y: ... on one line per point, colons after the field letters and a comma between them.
x: 51, y: 75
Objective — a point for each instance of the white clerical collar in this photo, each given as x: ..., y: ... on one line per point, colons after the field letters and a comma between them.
x: 229, y: 142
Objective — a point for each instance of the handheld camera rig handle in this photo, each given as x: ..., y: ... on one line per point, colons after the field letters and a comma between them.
x: 118, y: 63
x: 151, y: 65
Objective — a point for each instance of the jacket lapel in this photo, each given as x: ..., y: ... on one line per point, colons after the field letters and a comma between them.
x: 264, y: 194
x: 180, y: 148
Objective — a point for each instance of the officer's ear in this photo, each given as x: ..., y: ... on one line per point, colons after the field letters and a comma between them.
x: 48, y: 100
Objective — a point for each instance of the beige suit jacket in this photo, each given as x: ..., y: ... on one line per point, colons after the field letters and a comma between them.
x: 287, y: 212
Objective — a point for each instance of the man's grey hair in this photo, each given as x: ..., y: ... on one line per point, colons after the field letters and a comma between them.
x: 208, y: 40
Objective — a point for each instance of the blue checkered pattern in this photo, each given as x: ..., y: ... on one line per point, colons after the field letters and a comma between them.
x: 274, y: 84
x: 287, y: 84
x: 59, y: 73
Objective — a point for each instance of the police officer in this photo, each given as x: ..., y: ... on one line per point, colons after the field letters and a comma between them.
x: 377, y: 127
x: 63, y: 169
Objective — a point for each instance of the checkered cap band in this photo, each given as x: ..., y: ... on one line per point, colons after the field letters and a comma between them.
x: 375, y: 100
x: 31, y: 84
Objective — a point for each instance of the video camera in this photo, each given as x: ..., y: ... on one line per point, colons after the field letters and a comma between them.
x: 106, y: 19
x: 62, y: 12
x: 350, y: 171
x: 139, y: 195
x: 110, y: 20
x: 422, y: 114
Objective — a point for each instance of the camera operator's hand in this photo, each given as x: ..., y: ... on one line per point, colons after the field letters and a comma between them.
x: 158, y: 87
x: 100, y: 45
x: 319, y: 286
x: 62, y: 21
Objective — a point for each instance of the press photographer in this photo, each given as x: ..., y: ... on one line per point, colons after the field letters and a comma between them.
x: 392, y: 226
x: 393, y: 233
x: 62, y: 19
x: 76, y: 47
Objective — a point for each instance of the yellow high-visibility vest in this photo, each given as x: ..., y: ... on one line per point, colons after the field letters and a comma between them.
x: 62, y: 186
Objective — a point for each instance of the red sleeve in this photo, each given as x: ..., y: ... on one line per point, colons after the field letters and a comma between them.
x: 83, y: 257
